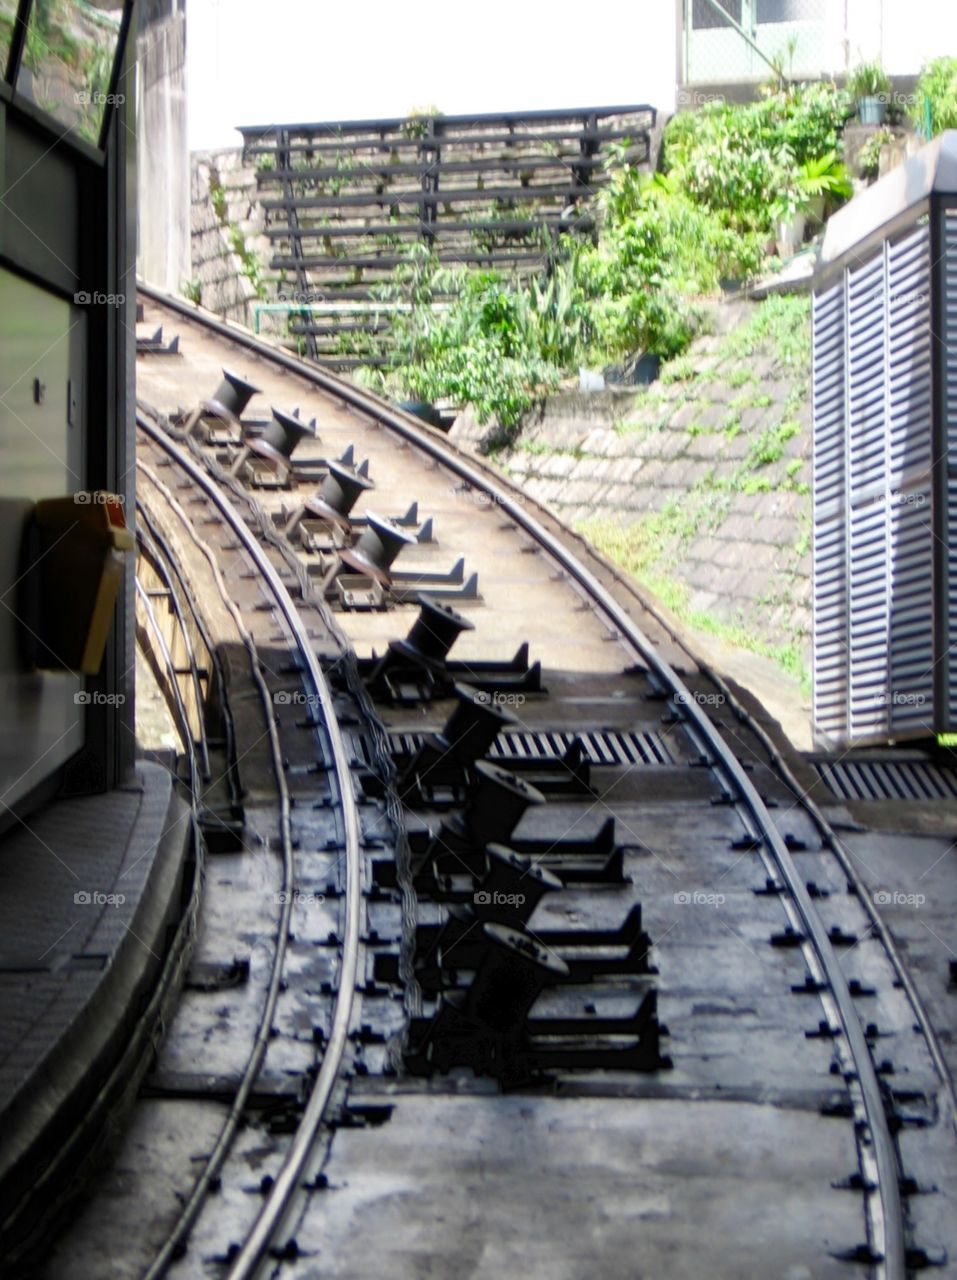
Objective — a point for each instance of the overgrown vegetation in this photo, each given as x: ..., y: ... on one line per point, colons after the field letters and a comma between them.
x: 249, y: 261
x: 936, y: 96
x: 735, y: 161
x: 652, y: 544
x: 657, y: 246
x: 869, y: 156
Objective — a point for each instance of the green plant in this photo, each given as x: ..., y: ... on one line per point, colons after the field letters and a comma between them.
x: 825, y: 176
x: 192, y: 290
x: 734, y: 160
x: 816, y: 186
x: 868, y: 80
x: 217, y: 198
x: 48, y: 38
x: 250, y: 266
x: 869, y: 156
x: 417, y: 124
x: 479, y: 350
x: 936, y: 97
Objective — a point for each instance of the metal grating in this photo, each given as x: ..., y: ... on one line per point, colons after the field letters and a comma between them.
x: 873, y: 500
x: 601, y: 748
x: 888, y: 779
x: 948, y: 378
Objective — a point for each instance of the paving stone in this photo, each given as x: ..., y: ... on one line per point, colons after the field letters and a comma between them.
x: 627, y: 469
x: 518, y: 464
x: 684, y: 416
x: 621, y: 495
x: 712, y: 416
x: 685, y: 473
x: 541, y: 489
x: 577, y: 492
x: 606, y: 443
x: 564, y: 434
x: 708, y: 446
x: 592, y: 469
x: 557, y: 466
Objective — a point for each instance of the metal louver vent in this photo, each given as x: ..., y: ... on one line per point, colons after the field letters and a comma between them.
x: 617, y: 749
x: 888, y: 779
x: 885, y: 594
x: 946, y: 351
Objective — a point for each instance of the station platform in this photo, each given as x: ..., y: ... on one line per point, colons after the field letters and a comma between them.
x: 95, y: 897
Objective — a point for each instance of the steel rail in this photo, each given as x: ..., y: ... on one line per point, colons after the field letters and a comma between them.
x: 203, y: 1185
x: 272, y: 1213
x: 172, y: 568
x: 887, y: 1228
x: 181, y: 712
x: 152, y: 552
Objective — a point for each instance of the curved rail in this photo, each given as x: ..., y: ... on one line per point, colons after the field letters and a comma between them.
x: 273, y: 1210
x: 887, y: 1226
x: 147, y: 543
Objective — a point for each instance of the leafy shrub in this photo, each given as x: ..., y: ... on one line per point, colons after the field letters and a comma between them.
x: 698, y: 249
x: 477, y: 351
x: 937, y: 91
x: 734, y: 160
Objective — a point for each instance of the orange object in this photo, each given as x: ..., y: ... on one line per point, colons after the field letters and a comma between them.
x: 80, y: 543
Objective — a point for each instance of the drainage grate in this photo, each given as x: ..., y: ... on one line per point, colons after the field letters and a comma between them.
x: 900, y: 779
x: 599, y: 748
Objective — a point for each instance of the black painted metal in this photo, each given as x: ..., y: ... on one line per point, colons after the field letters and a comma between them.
x: 339, y: 493
x: 340, y: 198
x: 232, y: 395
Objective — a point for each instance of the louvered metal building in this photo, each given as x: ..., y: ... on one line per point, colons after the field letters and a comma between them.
x: 885, y: 458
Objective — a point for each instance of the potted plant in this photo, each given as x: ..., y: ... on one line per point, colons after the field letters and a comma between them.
x: 822, y: 184
x: 790, y: 221
x: 869, y: 86
x: 806, y: 193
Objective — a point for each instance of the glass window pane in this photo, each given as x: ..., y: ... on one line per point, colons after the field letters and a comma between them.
x: 68, y: 61
x: 789, y: 10
x: 705, y: 15
x: 8, y: 15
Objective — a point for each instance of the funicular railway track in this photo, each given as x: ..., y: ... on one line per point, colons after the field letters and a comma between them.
x: 540, y: 829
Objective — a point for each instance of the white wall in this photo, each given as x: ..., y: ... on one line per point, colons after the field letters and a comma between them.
x: 162, y: 169
x: 289, y: 61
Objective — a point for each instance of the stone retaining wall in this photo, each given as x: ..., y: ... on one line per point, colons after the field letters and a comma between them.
x: 699, y: 483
